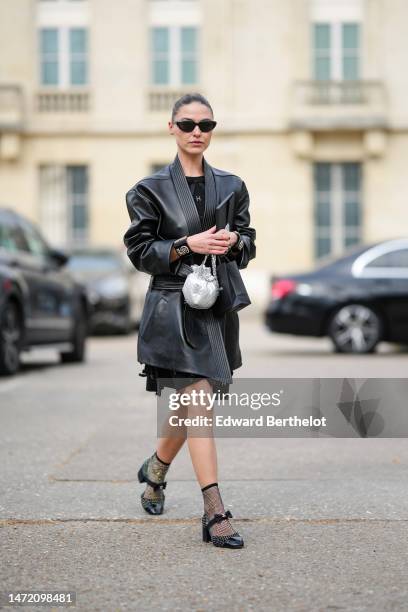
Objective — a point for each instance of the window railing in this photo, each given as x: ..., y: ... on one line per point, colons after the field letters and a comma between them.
x: 339, y: 92
x: 323, y: 105
x: 163, y: 98
x: 64, y: 101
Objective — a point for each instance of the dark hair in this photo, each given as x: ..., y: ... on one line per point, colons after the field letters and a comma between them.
x: 187, y: 99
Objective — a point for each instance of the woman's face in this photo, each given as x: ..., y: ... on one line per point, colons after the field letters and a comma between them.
x: 196, y: 141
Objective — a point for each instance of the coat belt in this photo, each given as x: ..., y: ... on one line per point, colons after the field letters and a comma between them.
x: 165, y: 281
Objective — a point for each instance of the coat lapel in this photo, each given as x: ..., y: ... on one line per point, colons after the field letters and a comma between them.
x: 187, y: 201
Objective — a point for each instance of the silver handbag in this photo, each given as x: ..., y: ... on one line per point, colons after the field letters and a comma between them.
x: 201, y: 288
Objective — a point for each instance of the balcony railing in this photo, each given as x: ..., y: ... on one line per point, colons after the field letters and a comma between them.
x: 11, y: 107
x: 345, y: 104
x: 163, y: 98
x: 64, y: 101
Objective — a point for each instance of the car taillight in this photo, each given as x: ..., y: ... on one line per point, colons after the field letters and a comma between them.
x: 282, y: 287
x: 7, y: 284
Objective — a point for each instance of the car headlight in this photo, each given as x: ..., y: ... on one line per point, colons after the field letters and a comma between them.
x: 114, y: 287
x: 93, y: 296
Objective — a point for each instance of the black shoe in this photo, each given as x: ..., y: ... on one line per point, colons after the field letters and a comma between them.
x: 228, y: 541
x: 151, y: 506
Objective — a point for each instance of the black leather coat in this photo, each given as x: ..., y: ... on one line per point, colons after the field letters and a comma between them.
x: 172, y: 335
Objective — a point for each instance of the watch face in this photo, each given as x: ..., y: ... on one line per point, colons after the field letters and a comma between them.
x: 183, y: 250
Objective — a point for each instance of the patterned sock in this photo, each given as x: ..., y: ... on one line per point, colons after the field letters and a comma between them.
x: 156, y: 471
x: 213, y: 505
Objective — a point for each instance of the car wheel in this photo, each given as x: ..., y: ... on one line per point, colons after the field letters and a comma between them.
x: 10, y: 339
x: 355, y: 328
x: 77, y: 354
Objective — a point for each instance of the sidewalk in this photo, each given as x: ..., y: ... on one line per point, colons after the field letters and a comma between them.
x: 324, y: 520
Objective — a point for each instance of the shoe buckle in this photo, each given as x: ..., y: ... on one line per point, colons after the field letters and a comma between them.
x: 219, y: 517
x: 160, y: 485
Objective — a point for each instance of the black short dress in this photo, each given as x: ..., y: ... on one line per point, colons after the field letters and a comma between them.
x: 152, y: 373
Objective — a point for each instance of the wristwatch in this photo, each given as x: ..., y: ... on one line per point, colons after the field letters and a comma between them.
x: 182, y: 247
x: 239, y: 245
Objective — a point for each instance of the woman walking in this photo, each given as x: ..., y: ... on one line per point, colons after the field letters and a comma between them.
x: 172, y: 216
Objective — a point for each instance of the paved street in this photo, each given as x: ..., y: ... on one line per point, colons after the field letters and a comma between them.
x: 325, y: 521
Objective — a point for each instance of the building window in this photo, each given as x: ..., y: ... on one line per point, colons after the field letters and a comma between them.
x: 77, y: 199
x: 161, y: 59
x: 64, y: 204
x: 336, y: 51
x: 188, y: 55
x: 350, y: 50
x: 322, y: 51
x: 49, y: 49
x: 337, y: 207
x: 63, y: 56
x: 174, y: 55
x: 78, y: 49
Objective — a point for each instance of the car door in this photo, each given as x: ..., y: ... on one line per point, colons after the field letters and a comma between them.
x: 388, y: 274
x: 51, y: 289
x: 13, y: 255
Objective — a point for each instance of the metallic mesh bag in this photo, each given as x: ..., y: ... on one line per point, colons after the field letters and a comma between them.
x: 201, y: 288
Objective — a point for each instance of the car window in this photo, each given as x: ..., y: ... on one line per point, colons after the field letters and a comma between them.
x: 344, y: 260
x: 6, y: 241
x: 36, y: 244
x: 393, y: 259
x: 12, y: 238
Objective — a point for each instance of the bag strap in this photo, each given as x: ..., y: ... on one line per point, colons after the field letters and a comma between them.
x: 213, y: 264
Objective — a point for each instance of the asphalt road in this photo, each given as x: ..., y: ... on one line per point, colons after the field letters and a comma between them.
x: 325, y: 521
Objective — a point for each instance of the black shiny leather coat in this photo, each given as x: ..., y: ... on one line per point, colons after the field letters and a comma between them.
x: 171, y: 334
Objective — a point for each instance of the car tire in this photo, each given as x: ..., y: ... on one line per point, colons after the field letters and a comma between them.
x: 11, y: 330
x: 80, y: 333
x: 355, y: 328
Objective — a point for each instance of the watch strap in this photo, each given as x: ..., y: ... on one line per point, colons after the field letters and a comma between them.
x: 181, y: 247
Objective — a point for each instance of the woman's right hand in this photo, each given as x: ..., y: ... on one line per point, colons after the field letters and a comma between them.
x: 210, y: 242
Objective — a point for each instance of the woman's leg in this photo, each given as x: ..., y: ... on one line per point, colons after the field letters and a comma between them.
x: 168, y: 445
x: 170, y: 441
x: 204, y: 458
x: 167, y: 448
x: 202, y: 448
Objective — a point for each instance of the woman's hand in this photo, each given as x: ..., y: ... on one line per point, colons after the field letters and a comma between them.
x: 212, y: 242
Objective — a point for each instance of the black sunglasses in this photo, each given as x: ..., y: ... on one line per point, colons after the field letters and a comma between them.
x: 188, y: 125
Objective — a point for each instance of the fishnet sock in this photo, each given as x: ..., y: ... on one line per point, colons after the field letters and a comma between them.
x: 156, y: 471
x: 213, y: 505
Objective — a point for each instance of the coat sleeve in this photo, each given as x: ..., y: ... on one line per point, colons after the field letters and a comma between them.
x: 248, y: 234
x: 145, y: 249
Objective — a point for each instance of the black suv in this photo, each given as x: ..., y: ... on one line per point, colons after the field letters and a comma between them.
x: 40, y: 301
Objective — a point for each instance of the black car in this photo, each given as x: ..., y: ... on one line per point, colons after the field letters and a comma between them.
x: 40, y: 301
x: 357, y: 300
x: 111, y: 288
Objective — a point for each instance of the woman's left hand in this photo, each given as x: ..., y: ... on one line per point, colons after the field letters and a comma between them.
x: 223, y: 234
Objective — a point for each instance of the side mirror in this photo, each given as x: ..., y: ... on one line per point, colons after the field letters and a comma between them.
x: 58, y: 256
